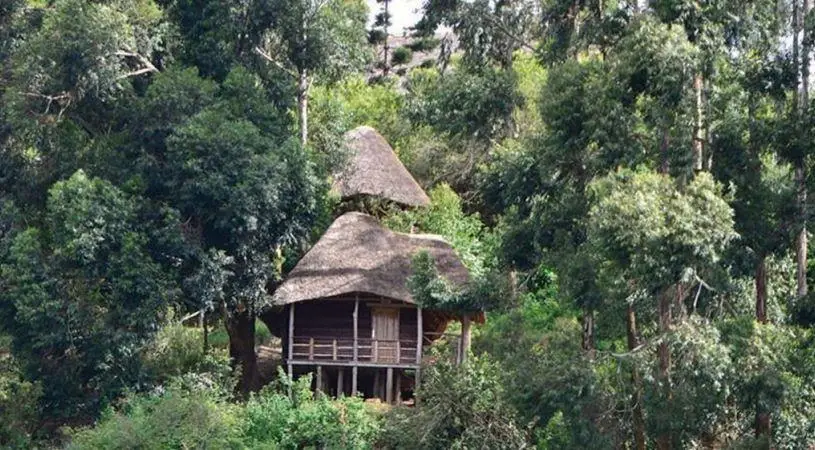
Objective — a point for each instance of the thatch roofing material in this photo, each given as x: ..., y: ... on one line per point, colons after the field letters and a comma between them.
x: 375, y: 170
x: 358, y: 255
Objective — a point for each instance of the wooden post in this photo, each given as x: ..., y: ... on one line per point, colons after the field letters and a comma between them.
x: 291, y: 340
x: 419, y: 342
x: 398, y: 396
x: 319, y: 378
x: 356, y: 328
x: 334, y: 349
x: 340, y: 387
x: 354, y: 369
x: 417, y: 383
x: 464, y: 342
x: 389, y: 386
x: 375, y: 350
x: 310, y: 348
x: 419, y: 335
x: 398, y: 351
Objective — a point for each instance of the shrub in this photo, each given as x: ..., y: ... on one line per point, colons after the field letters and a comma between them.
x: 177, y: 350
x: 462, y: 407
x: 401, y: 55
x: 428, y: 63
x: 194, y: 412
x: 424, y: 44
x: 19, y: 410
x: 376, y: 36
x: 273, y: 418
x: 179, y: 417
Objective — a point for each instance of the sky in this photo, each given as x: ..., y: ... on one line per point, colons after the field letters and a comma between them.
x: 404, y: 13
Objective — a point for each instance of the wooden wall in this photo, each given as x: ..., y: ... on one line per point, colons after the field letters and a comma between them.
x: 333, y: 318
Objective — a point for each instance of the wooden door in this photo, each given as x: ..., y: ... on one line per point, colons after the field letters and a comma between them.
x: 385, y: 334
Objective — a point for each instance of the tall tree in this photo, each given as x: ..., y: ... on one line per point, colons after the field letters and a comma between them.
x: 244, y: 191
x: 84, y: 292
x: 315, y: 38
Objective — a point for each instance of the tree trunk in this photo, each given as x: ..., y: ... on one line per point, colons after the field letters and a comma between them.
x: 241, y: 329
x: 800, y: 170
x: 801, y: 240
x: 302, y: 105
x: 636, y: 381
x: 706, y: 134
x: 665, y: 163
x: 764, y: 427
x: 698, y: 134
x: 206, y: 331
x: 464, y: 342
x: 761, y: 289
x: 588, y: 332
x: 385, y: 64
x: 665, y: 319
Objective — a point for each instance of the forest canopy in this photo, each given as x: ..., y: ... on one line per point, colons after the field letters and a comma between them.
x: 626, y: 181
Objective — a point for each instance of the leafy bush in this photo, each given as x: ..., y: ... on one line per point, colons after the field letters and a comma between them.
x: 376, y: 36
x: 180, y: 417
x: 424, y: 44
x: 461, y: 407
x: 19, y: 409
x: 401, y: 55
x: 446, y: 217
x: 194, y: 412
x: 302, y: 421
x: 177, y: 350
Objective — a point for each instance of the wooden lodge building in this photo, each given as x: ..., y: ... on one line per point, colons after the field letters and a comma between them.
x: 347, y: 314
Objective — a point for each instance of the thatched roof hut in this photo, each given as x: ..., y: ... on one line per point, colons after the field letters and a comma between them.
x: 375, y: 170
x: 358, y: 255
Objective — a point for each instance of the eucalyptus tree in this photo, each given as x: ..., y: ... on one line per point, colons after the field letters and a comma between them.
x: 654, y: 243
x: 313, y: 38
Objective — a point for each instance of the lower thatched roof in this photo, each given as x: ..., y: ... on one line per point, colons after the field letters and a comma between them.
x: 358, y: 255
x: 375, y: 170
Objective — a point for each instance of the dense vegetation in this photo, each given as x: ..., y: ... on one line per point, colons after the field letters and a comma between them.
x: 628, y: 182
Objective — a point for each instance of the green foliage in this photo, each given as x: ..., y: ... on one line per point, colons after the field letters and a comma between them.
x: 446, y: 217
x: 424, y: 44
x: 352, y: 102
x: 217, y: 171
x: 462, y: 407
x: 194, y: 413
x: 96, y: 47
x: 548, y: 377
x: 702, y: 379
x: 176, y: 418
x: 273, y: 418
x: 327, y: 38
x: 467, y: 104
x: 177, y: 350
x: 484, y: 292
x: 402, y: 55
x: 650, y: 231
x: 19, y: 405
x: 84, y: 294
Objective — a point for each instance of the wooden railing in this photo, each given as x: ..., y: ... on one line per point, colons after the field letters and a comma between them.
x: 317, y: 348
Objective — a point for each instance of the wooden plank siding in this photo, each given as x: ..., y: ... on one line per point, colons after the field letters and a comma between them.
x: 324, y: 331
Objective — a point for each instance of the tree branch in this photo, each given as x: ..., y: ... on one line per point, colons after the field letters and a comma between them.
x: 149, y: 67
x: 277, y: 63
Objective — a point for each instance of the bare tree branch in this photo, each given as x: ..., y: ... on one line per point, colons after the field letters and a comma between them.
x: 149, y: 67
x: 277, y: 63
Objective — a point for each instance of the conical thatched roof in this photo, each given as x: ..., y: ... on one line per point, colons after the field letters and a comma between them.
x: 375, y: 170
x: 358, y: 255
